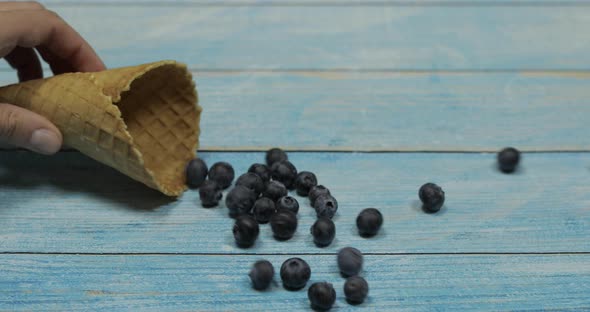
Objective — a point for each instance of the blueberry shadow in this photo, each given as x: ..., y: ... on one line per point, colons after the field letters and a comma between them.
x: 520, y: 170
x: 245, y: 246
x: 293, y: 289
x: 319, y: 309
x: 417, y: 206
x: 322, y: 246
x: 74, y: 173
x: 365, y: 303
x: 382, y: 232
x: 268, y: 289
x: 367, y: 236
x: 345, y: 276
x: 354, y: 303
x: 282, y: 239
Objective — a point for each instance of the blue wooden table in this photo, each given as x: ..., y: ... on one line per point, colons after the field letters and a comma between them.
x: 376, y: 98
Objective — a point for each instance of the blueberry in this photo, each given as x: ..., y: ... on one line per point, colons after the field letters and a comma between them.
x: 222, y: 173
x: 251, y: 181
x: 275, y: 154
x: 323, y: 232
x: 508, y: 159
x: 356, y: 289
x: 245, y: 231
x: 295, y: 273
x: 275, y: 190
x: 304, y: 182
x: 263, y: 209
x: 321, y: 295
x: 289, y: 203
x: 326, y: 206
x: 284, y: 172
x: 283, y: 224
x: 315, y: 192
x: 210, y: 194
x: 261, y: 274
x: 240, y: 200
x: 196, y: 173
x: 262, y: 170
x: 432, y: 197
x: 350, y: 261
x: 369, y: 221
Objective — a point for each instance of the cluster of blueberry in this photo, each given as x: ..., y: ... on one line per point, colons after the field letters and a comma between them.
x: 295, y: 273
x: 261, y: 196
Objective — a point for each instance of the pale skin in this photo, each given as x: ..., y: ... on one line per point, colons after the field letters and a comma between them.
x: 26, y: 27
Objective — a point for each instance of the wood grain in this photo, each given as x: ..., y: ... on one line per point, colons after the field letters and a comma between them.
x: 206, y: 283
x: 329, y: 75
x: 69, y: 203
x: 391, y: 111
x: 345, y: 37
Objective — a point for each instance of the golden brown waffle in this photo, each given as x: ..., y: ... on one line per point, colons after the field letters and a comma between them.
x: 141, y: 120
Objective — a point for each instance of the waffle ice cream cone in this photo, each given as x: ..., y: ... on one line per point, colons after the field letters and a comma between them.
x: 141, y: 120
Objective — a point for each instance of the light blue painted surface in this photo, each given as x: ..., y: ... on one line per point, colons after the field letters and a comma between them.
x: 354, y: 111
x: 430, y: 75
x: 207, y: 283
x: 71, y: 204
x: 388, y: 112
x: 308, y: 37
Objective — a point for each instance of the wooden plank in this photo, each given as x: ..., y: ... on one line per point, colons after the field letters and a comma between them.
x: 68, y: 203
x: 385, y: 112
x: 310, y: 37
x: 392, y: 111
x: 206, y: 283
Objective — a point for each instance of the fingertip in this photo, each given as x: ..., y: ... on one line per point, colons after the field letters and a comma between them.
x: 45, y: 141
x: 26, y: 129
x: 98, y: 66
x: 90, y: 61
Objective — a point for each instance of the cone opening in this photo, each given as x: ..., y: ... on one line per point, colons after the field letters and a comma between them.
x: 162, y: 117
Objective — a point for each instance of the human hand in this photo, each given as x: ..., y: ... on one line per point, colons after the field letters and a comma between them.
x: 24, y: 28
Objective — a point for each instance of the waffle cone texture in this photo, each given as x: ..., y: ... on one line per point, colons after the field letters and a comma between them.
x: 141, y: 120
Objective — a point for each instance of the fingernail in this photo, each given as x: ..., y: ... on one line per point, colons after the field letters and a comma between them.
x: 44, y: 141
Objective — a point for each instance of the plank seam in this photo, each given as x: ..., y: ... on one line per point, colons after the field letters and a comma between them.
x: 347, y: 151
x: 556, y: 253
x: 524, y: 71
x: 395, y: 70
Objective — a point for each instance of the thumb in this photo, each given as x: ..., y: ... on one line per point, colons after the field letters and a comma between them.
x: 29, y: 130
